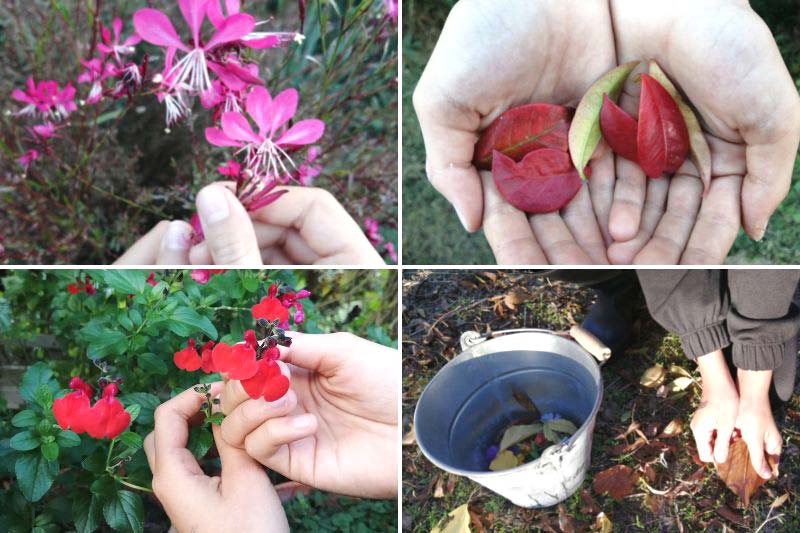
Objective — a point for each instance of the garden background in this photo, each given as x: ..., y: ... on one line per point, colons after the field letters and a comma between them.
x: 122, y: 177
x: 48, y: 334
x: 432, y: 233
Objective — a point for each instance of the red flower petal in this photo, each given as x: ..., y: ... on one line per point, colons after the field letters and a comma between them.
x: 270, y: 308
x: 238, y: 361
x: 106, y: 418
x: 207, y: 362
x: 267, y: 382
x: 187, y: 359
x: 73, y: 289
x: 67, y: 410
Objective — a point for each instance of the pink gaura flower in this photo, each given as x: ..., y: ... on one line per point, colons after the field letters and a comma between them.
x: 94, y: 72
x: 371, y: 230
x: 27, y: 158
x: 391, y: 10
x: 155, y: 27
x: 46, y: 98
x: 202, y: 275
x: 267, y: 151
x: 43, y: 132
x: 390, y: 251
x: 113, y: 46
x: 254, y: 39
x: 171, y: 92
x: 307, y: 171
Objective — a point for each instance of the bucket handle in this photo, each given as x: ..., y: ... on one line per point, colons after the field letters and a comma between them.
x: 583, y: 337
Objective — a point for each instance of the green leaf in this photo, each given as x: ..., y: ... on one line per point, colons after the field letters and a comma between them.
x: 200, y: 441
x: 24, y: 441
x: 136, y: 317
x: 147, y: 402
x: 35, y: 475
x: 184, y: 321
x: 150, y: 362
x: 44, y: 427
x: 50, y: 451
x: 584, y: 132
x: 68, y: 439
x: 95, y: 463
x: 43, y: 396
x: 250, y: 280
x: 25, y: 419
x: 125, y: 322
x: 562, y: 426
x: 216, y: 418
x: 125, y: 281
x: 86, y: 512
x: 134, y: 411
x: 104, y: 486
x: 131, y: 439
x: 102, y: 341
x: 124, y: 512
x: 36, y: 375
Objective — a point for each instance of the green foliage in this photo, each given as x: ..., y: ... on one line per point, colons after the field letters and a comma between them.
x: 327, y: 513
x: 58, y: 480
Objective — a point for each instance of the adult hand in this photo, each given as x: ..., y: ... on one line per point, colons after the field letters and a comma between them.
x: 336, y: 429
x: 714, y: 420
x: 495, y: 55
x: 240, y: 499
x: 754, y: 419
x: 307, y: 227
x: 725, y: 60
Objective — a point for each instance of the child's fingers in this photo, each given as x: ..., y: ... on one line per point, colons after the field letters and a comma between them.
x: 267, y: 439
x: 702, y: 438
x: 150, y: 451
x: 722, y: 443
x: 755, y: 444
x: 232, y: 396
x: 251, y: 414
x: 774, y: 442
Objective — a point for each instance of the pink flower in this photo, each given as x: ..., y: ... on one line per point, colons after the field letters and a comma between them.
x: 155, y: 27
x: 94, y: 72
x: 46, y: 98
x: 307, y: 171
x: 27, y: 158
x: 109, y: 46
x: 267, y: 151
x: 389, y: 249
x: 43, y: 132
x: 231, y: 169
x: 371, y: 229
x: 170, y: 93
x: 391, y: 10
x: 256, y: 40
x: 201, y: 275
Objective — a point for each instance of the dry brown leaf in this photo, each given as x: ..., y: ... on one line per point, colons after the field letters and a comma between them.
x: 451, y: 482
x: 602, y: 524
x: 565, y: 522
x: 514, y: 298
x: 780, y: 500
x: 476, y: 521
x: 729, y: 514
x: 653, y: 377
x: 680, y: 384
x: 739, y: 475
x: 679, y: 371
x: 438, y: 492
x: 673, y: 429
x: 588, y: 505
x: 654, y: 502
x: 491, y: 276
x: 457, y: 521
x: 410, y: 437
x: 618, y: 481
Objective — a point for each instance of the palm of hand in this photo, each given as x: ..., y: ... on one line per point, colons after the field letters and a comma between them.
x: 355, y: 434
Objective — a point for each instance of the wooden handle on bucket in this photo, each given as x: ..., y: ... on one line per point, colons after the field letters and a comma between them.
x: 590, y: 343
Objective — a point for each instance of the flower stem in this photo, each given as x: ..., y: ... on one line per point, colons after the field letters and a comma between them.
x: 132, y: 485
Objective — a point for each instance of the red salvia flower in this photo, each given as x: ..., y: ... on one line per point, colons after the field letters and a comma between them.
x: 187, y: 359
x: 238, y: 361
x: 206, y: 360
x: 268, y: 382
x: 73, y: 288
x: 87, y: 285
x: 69, y: 409
x: 250, y: 338
x: 107, y: 418
x: 271, y: 309
x: 151, y: 279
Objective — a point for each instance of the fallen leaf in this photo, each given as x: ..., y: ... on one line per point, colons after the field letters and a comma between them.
x: 588, y: 505
x: 410, y: 437
x: 515, y: 434
x: 654, y: 502
x: 562, y: 425
x: 491, y: 276
x: 662, y: 141
x: 673, y: 429
x: 457, y: 521
x: 729, y: 514
x: 618, y: 481
x: 514, y: 298
x: 739, y: 475
x: 451, y: 482
x: 565, y: 522
x: 653, y: 377
x: 780, y: 500
x: 476, y: 521
x: 504, y: 461
x: 438, y: 492
x: 680, y: 384
x: 679, y: 371
x: 522, y: 398
x: 602, y: 524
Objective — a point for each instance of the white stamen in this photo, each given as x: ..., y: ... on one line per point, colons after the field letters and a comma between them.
x: 193, y: 70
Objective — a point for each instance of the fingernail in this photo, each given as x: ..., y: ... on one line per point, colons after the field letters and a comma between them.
x: 462, y: 219
x: 759, y: 234
x: 178, y: 236
x: 212, y: 206
x: 302, y: 421
x: 277, y: 403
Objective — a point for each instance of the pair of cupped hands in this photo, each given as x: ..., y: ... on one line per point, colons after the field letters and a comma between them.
x: 495, y: 55
x: 335, y: 430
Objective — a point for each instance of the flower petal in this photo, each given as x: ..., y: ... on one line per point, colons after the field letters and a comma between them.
x: 116, y: 25
x: 232, y: 28
x: 283, y: 108
x: 214, y: 12
x: 259, y: 106
x: 194, y: 11
x: 154, y: 27
x: 217, y: 137
x: 232, y: 6
x: 237, y: 128
x: 303, y: 132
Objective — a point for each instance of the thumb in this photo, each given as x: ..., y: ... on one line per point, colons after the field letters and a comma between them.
x: 450, y: 133
x: 227, y: 227
x: 755, y: 446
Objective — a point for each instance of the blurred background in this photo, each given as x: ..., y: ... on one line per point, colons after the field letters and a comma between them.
x: 432, y: 233
x: 122, y: 177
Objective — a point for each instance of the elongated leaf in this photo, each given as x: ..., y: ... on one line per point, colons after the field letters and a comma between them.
x: 25, y: 419
x: 698, y: 145
x: 515, y: 434
x: 35, y: 475
x: 562, y: 425
x: 523, y: 129
x: 543, y: 182
x: 584, y: 133
x: 185, y: 321
x: 125, y: 281
x: 200, y: 441
x: 124, y: 512
x: 87, y: 513
x: 619, y: 129
x: 24, y: 441
x: 662, y: 138
x: 738, y: 472
x: 68, y: 439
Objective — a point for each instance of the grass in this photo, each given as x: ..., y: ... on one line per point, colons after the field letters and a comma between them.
x: 428, y: 295
x: 432, y: 233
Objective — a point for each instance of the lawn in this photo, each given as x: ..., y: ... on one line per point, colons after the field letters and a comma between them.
x: 674, y: 493
x: 432, y: 233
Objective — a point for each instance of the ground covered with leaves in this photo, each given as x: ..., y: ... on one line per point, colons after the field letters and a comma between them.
x: 644, y: 474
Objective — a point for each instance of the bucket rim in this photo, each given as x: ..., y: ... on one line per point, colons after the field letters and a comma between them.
x: 468, y: 353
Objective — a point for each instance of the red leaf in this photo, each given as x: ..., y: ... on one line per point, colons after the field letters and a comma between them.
x: 544, y: 181
x: 267, y: 382
x: 662, y: 137
x: 619, y: 129
x: 523, y: 129
x: 618, y: 481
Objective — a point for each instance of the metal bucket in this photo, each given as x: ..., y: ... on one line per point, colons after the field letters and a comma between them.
x: 467, y: 405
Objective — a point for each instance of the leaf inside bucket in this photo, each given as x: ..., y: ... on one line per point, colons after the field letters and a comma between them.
x: 515, y: 434
x: 504, y: 461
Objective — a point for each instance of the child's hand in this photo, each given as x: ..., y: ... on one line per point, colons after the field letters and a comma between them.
x: 714, y: 420
x: 755, y: 419
x: 336, y: 429
x: 240, y: 499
